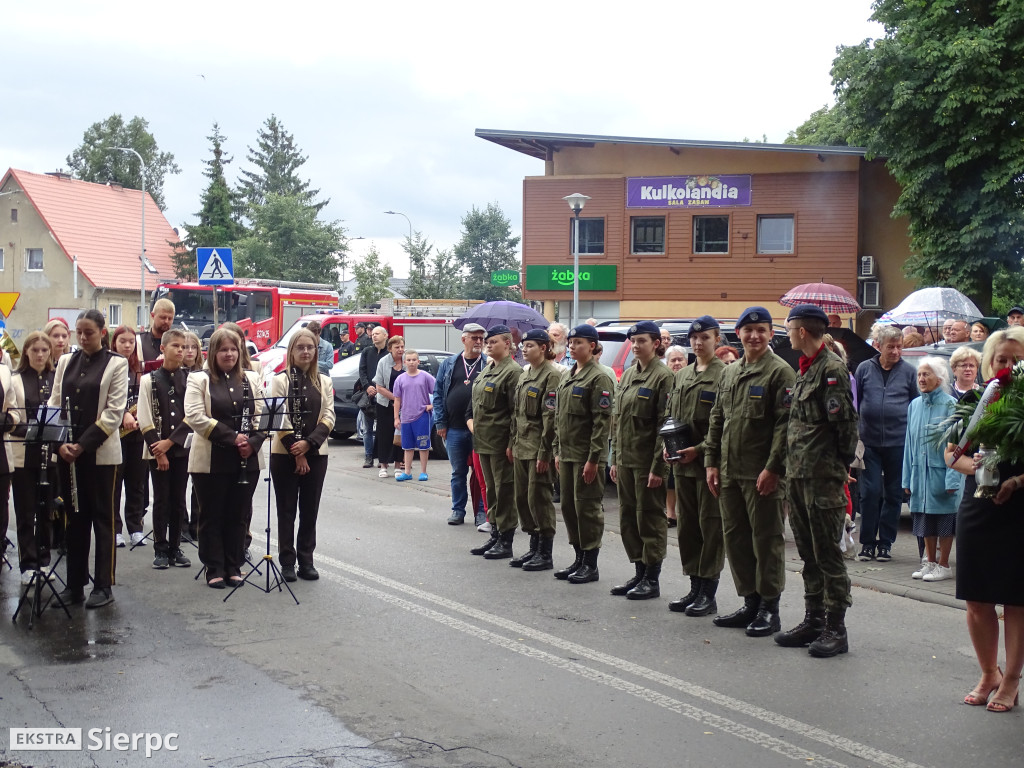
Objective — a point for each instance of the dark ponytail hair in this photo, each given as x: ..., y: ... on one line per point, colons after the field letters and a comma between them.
x: 97, y: 317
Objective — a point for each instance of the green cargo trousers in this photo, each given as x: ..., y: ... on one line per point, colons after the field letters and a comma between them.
x: 582, y: 508
x: 817, y: 513
x: 501, y: 491
x: 642, y: 522
x: 754, y: 543
x: 533, y: 497
x: 701, y: 547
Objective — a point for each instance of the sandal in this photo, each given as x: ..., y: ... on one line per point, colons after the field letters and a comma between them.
x: 978, y: 697
x: 998, y: 706
x: 216, y: 583
x: 235, y: 581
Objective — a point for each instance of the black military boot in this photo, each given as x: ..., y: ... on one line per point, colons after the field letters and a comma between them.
x: 487, y: 544
x: 587, y: 571
x: 502, y: 547
x: 767, y: 621
x: 705, y: 604
x: 565, y: 573
x: 519, y: 562
x: 806, y: 632
x: 541, y: 560
x: 648, y: 587
x: 743, y: 616
x: 696, y: 589
x: 622, y: 589
x: 833, y: 640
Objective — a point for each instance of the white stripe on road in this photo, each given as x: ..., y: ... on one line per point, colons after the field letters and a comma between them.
x: 782, y: 722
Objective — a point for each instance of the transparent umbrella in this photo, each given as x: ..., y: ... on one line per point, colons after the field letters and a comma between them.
x: 930, y: 306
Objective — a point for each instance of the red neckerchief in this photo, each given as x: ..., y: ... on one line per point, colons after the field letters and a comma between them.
x: 805, y: 362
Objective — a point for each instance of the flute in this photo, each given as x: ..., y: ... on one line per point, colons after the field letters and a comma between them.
x: 74, y: 471
x: 245, y: 426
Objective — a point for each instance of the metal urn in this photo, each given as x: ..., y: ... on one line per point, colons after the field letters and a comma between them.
x: 986, y: 475
x: 677, y: 437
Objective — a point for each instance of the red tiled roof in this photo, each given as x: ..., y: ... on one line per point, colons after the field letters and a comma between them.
x: 102, y: 225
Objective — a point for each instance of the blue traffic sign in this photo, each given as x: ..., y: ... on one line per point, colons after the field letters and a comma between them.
x: 215, y: 266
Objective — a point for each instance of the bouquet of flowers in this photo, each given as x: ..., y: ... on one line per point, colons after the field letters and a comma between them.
x: 996, y: 420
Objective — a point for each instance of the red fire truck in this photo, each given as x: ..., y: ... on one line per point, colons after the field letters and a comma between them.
x: 263, y: 308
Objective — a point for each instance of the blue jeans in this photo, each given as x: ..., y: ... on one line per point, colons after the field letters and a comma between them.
x: 368, y: 435
x: 460, y: 446
x: 881, y: 495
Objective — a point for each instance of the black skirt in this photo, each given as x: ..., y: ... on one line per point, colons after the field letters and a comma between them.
x: 988, y: 546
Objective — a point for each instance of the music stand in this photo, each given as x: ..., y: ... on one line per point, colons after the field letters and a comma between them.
x: 46, y: 430
x: 271, y: 420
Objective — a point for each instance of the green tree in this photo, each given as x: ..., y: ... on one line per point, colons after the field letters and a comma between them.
x: 372, y: 278
x: 486, y: 245
x: 825, y: 127
x: 286, y: 241
x: 218, y: 224
x: 940, y: 96
x: 96, y: 159
x: 277, y: 161
x: 444, y: 277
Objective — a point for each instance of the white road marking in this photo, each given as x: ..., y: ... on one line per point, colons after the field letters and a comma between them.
x: 782, y: 722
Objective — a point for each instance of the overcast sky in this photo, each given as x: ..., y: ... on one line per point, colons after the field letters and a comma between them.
x: 384, y: 97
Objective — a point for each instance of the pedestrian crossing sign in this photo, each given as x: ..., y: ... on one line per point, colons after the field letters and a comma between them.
x: 215, y: 266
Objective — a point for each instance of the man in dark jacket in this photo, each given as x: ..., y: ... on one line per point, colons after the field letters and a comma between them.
x: 367, y: 370
x: 885, y: 386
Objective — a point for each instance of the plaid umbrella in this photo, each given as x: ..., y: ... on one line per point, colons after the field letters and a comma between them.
x: 831, y: 298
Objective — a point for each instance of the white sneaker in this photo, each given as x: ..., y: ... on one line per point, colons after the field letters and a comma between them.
x: 119, y: 540
x: 938, y: 573
x: 383, y: 472
x: 27, y: 578
x: 926, y: 567
x: 484, y: 527
x: 138, y: 540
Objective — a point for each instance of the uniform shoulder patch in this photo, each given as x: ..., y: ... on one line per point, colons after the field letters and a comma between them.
x: 605, y: 401
x: 550, y: 400
x: 787, y: 399
x: 832, y: 405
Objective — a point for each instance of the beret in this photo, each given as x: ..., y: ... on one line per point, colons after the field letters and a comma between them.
x: 754, y: 315
x: 703, y: 323
x: 644, y: 326
x: 584, y: 331
x: 537, y: 334
x: 807, y: 312
x: 497, y: 330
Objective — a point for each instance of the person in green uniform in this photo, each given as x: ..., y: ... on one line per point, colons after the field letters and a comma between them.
x: 638, y: 466
x: 494, y: 402
x: 583, y: 420
x: 822, y: 441
x: 700, y: 522
x: 533, y: 438
x: 744, y: 459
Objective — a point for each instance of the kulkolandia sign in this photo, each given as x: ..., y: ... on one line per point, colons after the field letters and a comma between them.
x: 687, y: 191
x: 558, y: 277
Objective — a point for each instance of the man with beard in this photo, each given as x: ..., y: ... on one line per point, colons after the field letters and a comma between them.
x: 560, y: 344
x: 147, y: 344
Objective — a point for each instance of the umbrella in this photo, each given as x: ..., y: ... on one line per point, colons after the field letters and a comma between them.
x: 510, y: 313
x: 831, y: 298
x: 929, y: 306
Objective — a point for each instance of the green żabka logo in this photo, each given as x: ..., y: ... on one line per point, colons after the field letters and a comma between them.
x: 505, y: 277
x: 564, y: 276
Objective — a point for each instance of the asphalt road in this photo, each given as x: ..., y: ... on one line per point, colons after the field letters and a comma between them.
x: 410, y: 651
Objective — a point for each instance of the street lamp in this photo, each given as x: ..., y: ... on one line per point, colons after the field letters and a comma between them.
x: 142, y: 255
x: 342, y: 296
x: 399, y: 213
x: 576, y: 202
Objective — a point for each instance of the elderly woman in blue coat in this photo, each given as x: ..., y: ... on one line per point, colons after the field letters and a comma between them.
x: 934, y: 488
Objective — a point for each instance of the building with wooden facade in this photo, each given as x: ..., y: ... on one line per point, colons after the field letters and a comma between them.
x: 677, y: 229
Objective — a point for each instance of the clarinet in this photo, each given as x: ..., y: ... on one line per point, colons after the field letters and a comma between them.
x: 158, y: 422
x: 44, y: 447
x: 74, y: 470
x: 295, y: 404
x: 133, y: 406
x: 245, y: 426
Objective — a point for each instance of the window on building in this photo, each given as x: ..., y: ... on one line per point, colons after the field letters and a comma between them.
x: 775, y: 233
x: 648, y: 234
x: 591, y: 235
x: 710, y: 234
x: 113, y: 315
x: 261, y: 306
x: 34, y: 258
x: 14, y: 215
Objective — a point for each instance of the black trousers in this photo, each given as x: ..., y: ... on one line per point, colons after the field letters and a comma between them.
x: 94, y: 515
x: 169, y: 489
x: 133, y: 475
x: 225, y: 504
x: 386, y: 433
x: 32, y: 516
x: 301, y: 492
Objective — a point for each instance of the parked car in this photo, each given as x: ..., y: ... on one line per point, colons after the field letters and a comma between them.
x: 345, y: 377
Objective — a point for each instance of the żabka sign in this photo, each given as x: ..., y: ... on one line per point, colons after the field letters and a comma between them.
x: 687, y: 191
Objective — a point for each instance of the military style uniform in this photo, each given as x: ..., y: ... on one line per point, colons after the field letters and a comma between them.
x: 583, y: 420
x: 821, y: 440
x: 700, y: 522
x: 533, y: 438
x: 640, y: 403
x: 747, y: 434
x: 494, y: 403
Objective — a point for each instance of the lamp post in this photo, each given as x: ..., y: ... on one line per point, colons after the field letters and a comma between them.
x: 399, y: 213
x: 342, y: 296
x: 576, y: 202
x: 142, y: 255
